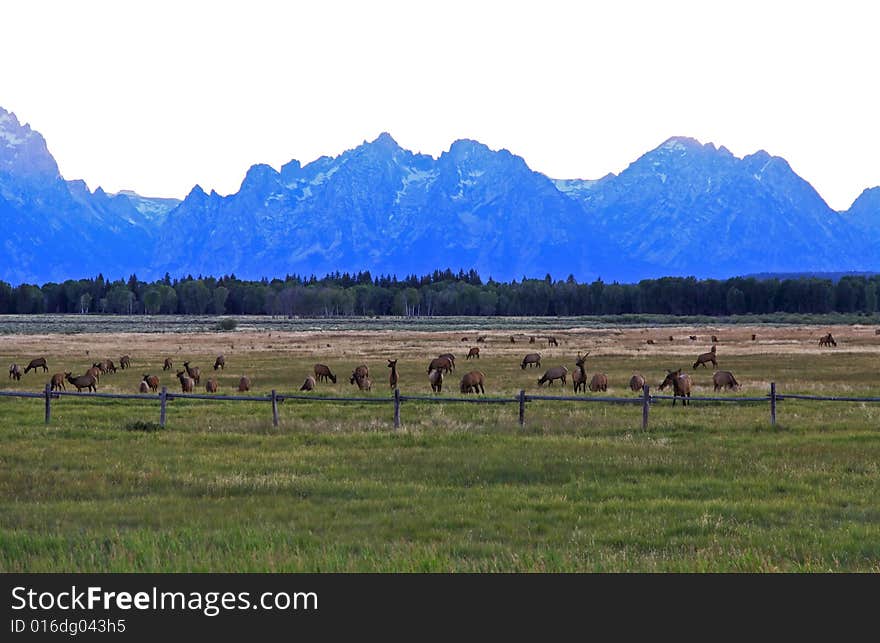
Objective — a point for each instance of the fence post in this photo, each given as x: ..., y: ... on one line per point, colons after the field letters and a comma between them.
x: 396, y: 408
x: 646, y: 404
x: 522, y: 407
x: 163, y: 396
x: 48, y: 404
x: 772, y: 403
x: 274, y: 408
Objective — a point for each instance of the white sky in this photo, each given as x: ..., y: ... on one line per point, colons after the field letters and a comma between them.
x: 158, y: 96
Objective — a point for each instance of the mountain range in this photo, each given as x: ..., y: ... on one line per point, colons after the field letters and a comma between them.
x: 683, y: 208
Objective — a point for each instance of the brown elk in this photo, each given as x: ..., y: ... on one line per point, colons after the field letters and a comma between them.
x: 106, y: 366
x: 513, y: 341
x: 681, y: 386
x: 532, y: 359
x: 57, y: 383
x: 308, y: 385
x: 671, y: 338
x: 124, y: 362
x: 211, y: 386
x: 450, y: 357
x: 554, y: 373
x: 39, y: 362
x: 702, y: 358
x: 364, y: 383
x: 473, y: 382
x: 81, y: 382
x: 827, y: 340
x: 754, y: 337
x: 393, y: 378
x: 724, y: 379
x: 714, y: 339
x: 323, y: 373
x: 599, y: 382
x: 168, y: 365
x: 551, y: 341
x: 442, y: 363
x: 95, y: 372
x: 186, y: 382
x: 532, y: 339
x: 15, y: 372
x: 650, y: 341
x: 693, y: 338
x: 143, y: 387
x: 474, y: 352
x: 244, y: 384
x: 636, y: 383
x: 220, y: 363
x: 193, y: 371
x: 465, y: 339
x: 360, y: 372
x: 152, y: 381
x: 579, y: 376
x: 435, y: 377
x: 481, y: 339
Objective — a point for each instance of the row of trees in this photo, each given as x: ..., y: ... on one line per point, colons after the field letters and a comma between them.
x: 441, y: 293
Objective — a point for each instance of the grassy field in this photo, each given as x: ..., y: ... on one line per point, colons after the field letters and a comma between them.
x: 459, y: 487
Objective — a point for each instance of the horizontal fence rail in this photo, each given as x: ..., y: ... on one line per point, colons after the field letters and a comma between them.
x: 645, y: 400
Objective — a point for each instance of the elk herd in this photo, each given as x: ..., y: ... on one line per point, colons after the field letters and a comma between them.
x: 438, y: 368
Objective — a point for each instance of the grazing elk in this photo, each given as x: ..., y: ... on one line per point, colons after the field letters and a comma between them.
x: 532, y: 359
x: 481, y: 339
x: 554, y: 373
x: 754, y: 337
x: 244, y: 384
x: 308, y: 385
x: 211, y: 386
x: 193, y: 371
x: 186, y: 382
x: 827, y: 340
x: 95, y: 372
x: 39, y: 362
x: 442, y: 363
x: 724, y: 379
x: 220, y: 363
x: 465, y: 339
x: 152, y: 381
x: 532, y: 339
x: 124, y: 362
x: 636, y: 383
x: 435, y: 377
x: 702, y: 358
x: 693, y: 338
x: 473, y: 382
x: 671, y: 338
x: 168, y: 365
x: 323, y: 373
x: 450, y: 357
x: 650, y: 341
x: 359, y: 373
x: 714, y: 339
x: 364, y: 383
x: 681, y: 386
x: 15, y: 372
x: 106, y: 366
x: 393, y: 379
x: 83, y: 381
x: 599, y: 382
x: 551, y: 341
x: 474, y: 352
x: 57, y: 383
x: 143, y: 387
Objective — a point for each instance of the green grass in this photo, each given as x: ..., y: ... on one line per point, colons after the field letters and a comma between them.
x: 459, y: 487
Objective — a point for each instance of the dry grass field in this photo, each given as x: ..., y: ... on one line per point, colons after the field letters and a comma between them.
x: 459, y: 487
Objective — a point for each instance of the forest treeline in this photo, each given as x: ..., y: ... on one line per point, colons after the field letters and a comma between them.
x: 441, y: 293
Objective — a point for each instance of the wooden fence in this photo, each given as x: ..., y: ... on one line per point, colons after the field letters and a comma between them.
x: 521, y: 399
